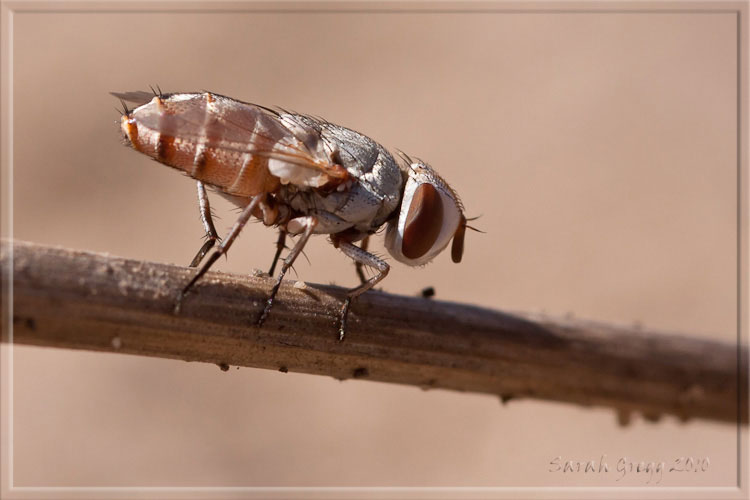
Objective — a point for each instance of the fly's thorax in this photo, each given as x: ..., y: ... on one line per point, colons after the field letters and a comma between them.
x: 379, y: 179
x: 431, y: 214
x: 365, y: 200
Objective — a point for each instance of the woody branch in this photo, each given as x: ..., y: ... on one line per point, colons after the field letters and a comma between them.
x: 72, y: 299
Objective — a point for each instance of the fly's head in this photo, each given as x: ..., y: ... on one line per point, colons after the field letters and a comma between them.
x: 431, y: 214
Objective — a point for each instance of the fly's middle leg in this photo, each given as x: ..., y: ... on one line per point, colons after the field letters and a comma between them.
x: 307, y: 225
x: 358, y: 264
x: 208, y: 225
x: 223, y: 247
x: 362, y: 257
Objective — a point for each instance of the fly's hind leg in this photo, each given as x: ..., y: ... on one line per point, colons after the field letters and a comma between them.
x: 358, y: 265
x: 208, y: 224
x: 361, y: 257
x: 306, y: 225
x: 223, y: 247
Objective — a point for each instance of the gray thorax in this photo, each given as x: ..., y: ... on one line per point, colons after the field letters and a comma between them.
x: 365, y: 203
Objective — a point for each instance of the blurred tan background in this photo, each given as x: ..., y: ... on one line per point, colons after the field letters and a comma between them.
x: 598, y: 148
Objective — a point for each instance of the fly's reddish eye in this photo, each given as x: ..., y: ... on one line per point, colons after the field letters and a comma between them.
x: 424, y: 221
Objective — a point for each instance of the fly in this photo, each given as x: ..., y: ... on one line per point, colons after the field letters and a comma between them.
x: 301, y: 175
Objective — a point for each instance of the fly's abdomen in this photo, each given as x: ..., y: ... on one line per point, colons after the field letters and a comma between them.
x: 187, y: 132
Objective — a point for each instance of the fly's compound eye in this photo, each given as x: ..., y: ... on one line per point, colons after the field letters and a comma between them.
x: 430, y: 216
x: 424, y: 220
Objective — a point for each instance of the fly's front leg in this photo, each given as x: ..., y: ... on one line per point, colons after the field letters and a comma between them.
x: 357, y: 264
x: 307, y: 225
x: 361, y: 257
x: 208, y: 225
x: 223, y: 247
x: 280, y: 245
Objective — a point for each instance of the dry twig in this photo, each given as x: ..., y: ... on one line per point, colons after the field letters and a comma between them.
x: 79, y: 300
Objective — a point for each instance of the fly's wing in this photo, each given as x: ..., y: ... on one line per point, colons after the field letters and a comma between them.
x: 241, y: 148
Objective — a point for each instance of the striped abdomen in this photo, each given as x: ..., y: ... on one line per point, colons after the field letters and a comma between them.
x: 209, y: 138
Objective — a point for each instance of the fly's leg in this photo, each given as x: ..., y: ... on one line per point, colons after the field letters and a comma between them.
x: 358, y: 265
x: 307, y: 224
x: 280, y: 245
x: 223, y: 247
x: 208, y: 225
x: 361, y: 257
